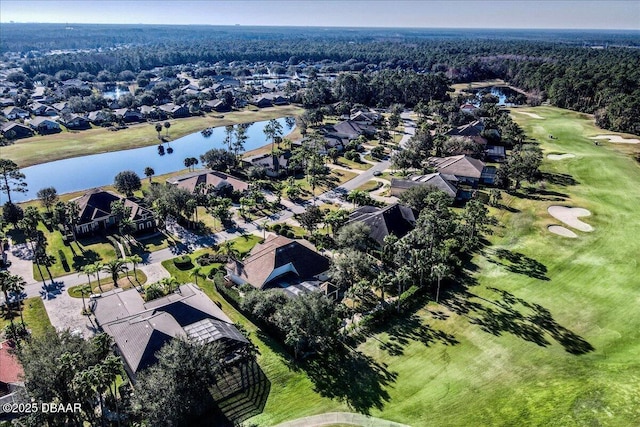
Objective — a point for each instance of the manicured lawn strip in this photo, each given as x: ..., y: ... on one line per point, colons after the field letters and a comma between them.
x: 35, y: 317
x: 42, y: 149
x: 350, y: 164
x: 370, y: 186
x: 107, y: 284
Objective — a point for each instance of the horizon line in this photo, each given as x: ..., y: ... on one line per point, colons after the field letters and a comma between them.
x: 325, y: 26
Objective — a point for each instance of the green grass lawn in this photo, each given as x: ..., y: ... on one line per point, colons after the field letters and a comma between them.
x: 63, y: 145
x: 77, y: 254
x: 35, y: 317
x: 519, y: 369
x: 370, y: 186
x: 350, y: 164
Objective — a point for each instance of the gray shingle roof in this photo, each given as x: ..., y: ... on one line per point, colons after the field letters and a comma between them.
x: 395, y: 219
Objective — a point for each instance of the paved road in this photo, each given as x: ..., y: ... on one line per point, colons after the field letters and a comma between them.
x: 368, y: 175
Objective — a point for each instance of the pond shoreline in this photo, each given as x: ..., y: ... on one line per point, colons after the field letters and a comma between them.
x: 70, y: 144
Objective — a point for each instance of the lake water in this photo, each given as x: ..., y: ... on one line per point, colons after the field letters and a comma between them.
x: 506, y: 96
x: 96, y: 170
x: 116, y: 93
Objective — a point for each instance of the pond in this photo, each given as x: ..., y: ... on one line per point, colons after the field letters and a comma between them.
x: 115, y: 93
x: 506, y: 96
x: 80, y: 173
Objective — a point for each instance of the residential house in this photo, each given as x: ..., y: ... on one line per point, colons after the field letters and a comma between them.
x: 152, y: 112
x: 6, y: 102
x: 444, y: 183
x: 62, y: 108
x: 100, y: 117
x: 14, y: 113
x: 139, y: 329
x: 13, y: 130
x: 280, y: 262
x: 174, y: 110
x: 43, y: 125
x: 395, y: 219
x: 261, y: 101
x: 468, y: 108
x: 274, y: 165
x: 495, y: 153
x: 351, y: 129
x: 194, y: 181
x: 366, y: 117
x: 215, y: 105
x: 471, y: 130
x: 95, y: 212
x: 11, y: 375
x: 465, y: 168
x: 74, y: 121
x: 40, y: 109
x: 129, y: 115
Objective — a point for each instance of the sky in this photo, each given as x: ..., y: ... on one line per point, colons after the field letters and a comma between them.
x: 569, y: 14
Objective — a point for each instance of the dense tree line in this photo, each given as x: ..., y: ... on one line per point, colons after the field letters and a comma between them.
x: 559, y: 67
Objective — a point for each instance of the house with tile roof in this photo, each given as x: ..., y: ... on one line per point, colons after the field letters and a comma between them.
x: 139, y: 329
x: 280, y: 262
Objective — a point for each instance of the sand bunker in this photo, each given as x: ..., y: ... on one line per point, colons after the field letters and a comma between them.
x: 618, y: 139
x: 570, y: 216
x: 532, y: 115
x: 560, y: 230
x: 560, y: 156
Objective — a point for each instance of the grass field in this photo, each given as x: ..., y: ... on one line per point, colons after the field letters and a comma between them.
x: 35, y: 317
x: 555, y: 343
x: 63, y: 145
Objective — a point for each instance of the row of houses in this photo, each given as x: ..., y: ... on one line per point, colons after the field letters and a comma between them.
x: 457, y: 176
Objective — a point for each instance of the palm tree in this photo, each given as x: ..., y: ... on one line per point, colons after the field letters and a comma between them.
x: 440, y: 271
x: 227, y: 248
x: 114, y: 268
x: 135, y: 260
x: 149, y: 172
x: 84, y: 290
x: 87, y: 270
x: 73, y: 212
x: 195, y: 273
x: 167, y: 125
x: 94, y: 269
x: 158, y: 129
x: 10, y: 283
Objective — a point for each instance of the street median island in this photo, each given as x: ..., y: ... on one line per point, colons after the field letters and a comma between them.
x: 617, y: 139
x: 562, y: 231
x: 570, y: 216
x: 560, y: 156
